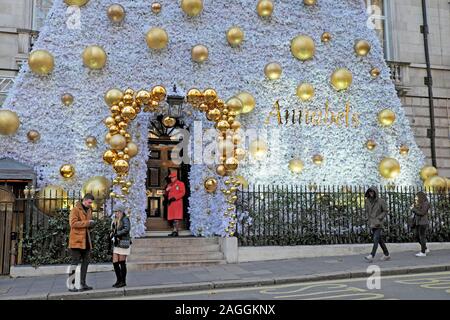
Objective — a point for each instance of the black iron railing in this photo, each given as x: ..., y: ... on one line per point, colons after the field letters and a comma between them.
x: 313, y: 215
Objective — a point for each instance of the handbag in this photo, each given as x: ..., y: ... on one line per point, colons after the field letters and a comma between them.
x: 125, y: 244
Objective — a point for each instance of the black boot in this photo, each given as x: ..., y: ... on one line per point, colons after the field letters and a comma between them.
x: 118, y: 274
x: 123, y: 273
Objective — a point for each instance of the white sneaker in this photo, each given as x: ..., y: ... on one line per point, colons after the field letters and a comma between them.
x: 427, y: 251
x: 420, y: 254
x: 385, y: 258
x: 369, y: 258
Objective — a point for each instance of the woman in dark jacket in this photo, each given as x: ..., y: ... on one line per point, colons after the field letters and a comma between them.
x: 420, y: 209
x: 120, y: 235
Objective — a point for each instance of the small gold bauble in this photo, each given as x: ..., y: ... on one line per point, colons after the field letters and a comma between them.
x: 235, y: 36
x: 231, y: 164
x: 370, y: 145
x: 264, y: 8
x: 221, y: 171
x: 341, y: 79
x: 317, y: 159
x: 362, y: 48
x: 121, y: 166
x: 210, y: 95
x: 94, y: 57
x: 9, y: 122
x: 116, y: 13
x: 223, y: 125
x: 389, y: 168
x: 305, y: 91
x: 169, y: 122
x: 67, y: 171
x: 427, y: 172
x: 404, y: 150
x: 248, y: 102
x: 296, y: 165
x: 158, y: 93
x: 33, y: 135
x: 110, y: 156
x: 326, y: 37
x: 213, y: 115
x: 41, y: 62
x: 157, y: 38
x: 91, y: 142
x: 78, y: 3
x: 258, y: 148
x: 235, y: 125
x: 375, y: 72
x: 303, y: 47
x: 234, y: 104
x: 199, y: 53
x: 386, y: 118
x: 210, y: 185
x: 310, y: 2
x: 192, y: 7
x: 435, y: 184
x: 133, y: 149
x: 194, y: 95
x: 113, y: 97
x: 156, y: 7
x: 128, y: 112
x: 273, y: 70
x: 67, y: 99
x: 118, y: 142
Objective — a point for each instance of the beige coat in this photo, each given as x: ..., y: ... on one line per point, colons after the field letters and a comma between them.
x: 79, y: 227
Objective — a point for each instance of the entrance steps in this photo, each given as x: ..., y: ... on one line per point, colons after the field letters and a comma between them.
x: 168, y: 252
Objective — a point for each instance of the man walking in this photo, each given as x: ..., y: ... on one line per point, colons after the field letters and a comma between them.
x: 376, y: 211
x: 80, y: 245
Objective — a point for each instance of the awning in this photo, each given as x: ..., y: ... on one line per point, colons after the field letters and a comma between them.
x: 13, y: 170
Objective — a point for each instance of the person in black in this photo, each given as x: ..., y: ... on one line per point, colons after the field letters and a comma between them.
x: 120, y: 235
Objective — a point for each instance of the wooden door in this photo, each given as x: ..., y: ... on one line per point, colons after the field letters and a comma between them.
x: 6, y: 226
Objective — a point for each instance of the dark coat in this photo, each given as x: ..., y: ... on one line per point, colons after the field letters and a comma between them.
x: 421, y: 209
x: 123, y: 232
x: 376, y: 209
x: 79, y: 227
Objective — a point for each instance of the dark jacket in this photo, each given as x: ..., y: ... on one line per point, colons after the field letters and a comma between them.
x: 421, y: 209
x: 123, y: 232
x: 376, y: 209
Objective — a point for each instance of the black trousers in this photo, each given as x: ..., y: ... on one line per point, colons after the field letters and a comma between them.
x: 378, y: 239
x: 81, y: 256
x: 421, y: 236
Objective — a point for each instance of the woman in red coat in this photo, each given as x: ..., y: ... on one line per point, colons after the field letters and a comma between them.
x: 175, y: 192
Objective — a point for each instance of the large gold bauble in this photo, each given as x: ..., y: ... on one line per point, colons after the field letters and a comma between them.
x: 33, y: 135
x: 113, y: 97
x: 157, y: 38
x: 375, y: 72
x: 199, y: 53
x: 273, y: 70
x: 235, y: 36
x: 428, y: 172
x: 210, y: 185
x: 223, y: 125
x: 99, y: 187
x: 296, y: 165
x: 305, y: 91
x: 41, y: 62
x: 317, y: 159
x: 50, y: 199
x: 118, y: 142
x: 156, y: 7
x: 121, y: 166
x: 362, y: 48
x: 258, y: 148
x: 192, y: 7
x: 231, y: 164
x: 389, y: 168
x: 386, y: 118
x: 116, y: 13
x: 67, y: 99
x: 78, y: 3
x: 221, y: 171
x: 210, y: 95
x: 370, y: 145
x: 9, y: 122
x: 310, y: 2
x: 435, y: 184
x: 303, y: 47
x: 248, y: 102
x: 213, y: 115
x: 110, y: 156
x: 67, y: 171
x: 143, y: 97
x: 404, y: 150
x: 326, y: 37
x: 159, y: 93
x: 94, y: 57
x: 169, y: 122
x: 235, y: 104
x: 264, y: 8
x: 91, y: 142
x: 341, y: 79
x: 194, y: 95
x: 133, y: 149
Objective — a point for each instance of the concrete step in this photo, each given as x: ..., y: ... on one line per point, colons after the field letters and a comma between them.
x: 177, y: 249
x: 144, y: 265
x: 182, y: 233
x: 187, y: 257
x: 173, y: 242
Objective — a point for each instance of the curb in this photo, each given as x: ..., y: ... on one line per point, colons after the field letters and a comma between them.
x: 158, y: 289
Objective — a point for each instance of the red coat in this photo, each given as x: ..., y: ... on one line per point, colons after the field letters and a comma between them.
x: 175, y: 190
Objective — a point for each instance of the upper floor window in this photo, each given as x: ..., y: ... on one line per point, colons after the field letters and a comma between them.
x: 40, y: 10
x: 378, y: 19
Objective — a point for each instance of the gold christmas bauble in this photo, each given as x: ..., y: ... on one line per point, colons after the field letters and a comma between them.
x: 231, y: 164
x: 210, y: 95
x: 435, y: 184
x: 310, y: 2
x: 428, y: 172
x: 235, y: 125
x: 116, y: 13
x: 199, y: 53
x: 194, y: 95
x: 169, y: 122
x: 78, y: 3
x: 303, y: 47
x: 296, y: 165
x: 264, y: 8
x: 156, y: 7
x: 210, y: 185
x: 404, y: 150
x: 223, y: 125
x: 133, y: 149
x: 99, y: 187
x: 305, y: 91
x: 41, y: 62
x: 258, y: 148
x: 213, y: 115
x: 362, y: 48
x: 273, y: 70
x: 192, y: 7
x: 50, y: 199
x: 375, y: 72
x: 221, y: 171
x: 370, y: 145
x: 67, y: 171
x: 113, y: 96
x: 158, y: 93
x: 110, y: 156
x: 121, y: 166
x: 9, y: 122
x: 118, y: 142
x: 389, y: 168
x: 317, y: 159
x: 143, y: 97
x: 91, y: 142
x: 157, y: 38
x: 248, y: 102
x: 33, y: 135
x: 341, y: 79
x: 326, y: 37
x: 128, y: 112
x: 94, y: 57
x: 234, y: 104
x: 67, y: 99
x: 386, y: 118
x: 235, y: 36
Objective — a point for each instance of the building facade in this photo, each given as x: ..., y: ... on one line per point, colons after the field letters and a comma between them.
x: 397, y: 24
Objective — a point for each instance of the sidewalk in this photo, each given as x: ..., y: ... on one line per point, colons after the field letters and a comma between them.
x: 221, y: 276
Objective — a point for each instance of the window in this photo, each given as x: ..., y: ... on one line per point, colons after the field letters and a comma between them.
x: 377, y: 11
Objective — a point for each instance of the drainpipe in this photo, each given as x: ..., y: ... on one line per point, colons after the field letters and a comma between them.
x: 429, y: 82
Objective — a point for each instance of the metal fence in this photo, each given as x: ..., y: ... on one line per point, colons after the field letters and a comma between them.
x: 313, y: 215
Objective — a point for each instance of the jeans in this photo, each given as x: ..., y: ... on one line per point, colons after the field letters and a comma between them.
x: 82, y: 255
x: 421, y: 235
x: 378, y: 239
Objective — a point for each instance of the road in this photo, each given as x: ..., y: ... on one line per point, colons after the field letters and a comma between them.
x: 429, y: 286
